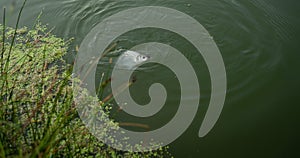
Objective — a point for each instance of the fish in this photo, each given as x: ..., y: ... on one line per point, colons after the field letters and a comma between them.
x: 131, y: 59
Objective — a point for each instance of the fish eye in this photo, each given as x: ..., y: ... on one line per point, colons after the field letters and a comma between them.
x: 143, y: 57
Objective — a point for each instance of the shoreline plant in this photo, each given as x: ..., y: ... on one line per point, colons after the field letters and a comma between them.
x: 38, y: 117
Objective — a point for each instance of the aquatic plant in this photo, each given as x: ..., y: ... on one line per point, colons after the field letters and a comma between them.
x: 38, y: 117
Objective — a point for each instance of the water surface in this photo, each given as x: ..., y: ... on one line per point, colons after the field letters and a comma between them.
x: 258, y: 41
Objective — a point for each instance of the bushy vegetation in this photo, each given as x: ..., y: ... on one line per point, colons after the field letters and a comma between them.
x: 38, y: 117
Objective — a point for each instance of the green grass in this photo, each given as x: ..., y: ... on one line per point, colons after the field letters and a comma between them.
x: 38, y: 117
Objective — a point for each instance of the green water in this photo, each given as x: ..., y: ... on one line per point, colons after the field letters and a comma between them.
x: 258, y: 41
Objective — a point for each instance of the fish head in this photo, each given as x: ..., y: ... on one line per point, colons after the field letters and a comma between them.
x: 142, y: 58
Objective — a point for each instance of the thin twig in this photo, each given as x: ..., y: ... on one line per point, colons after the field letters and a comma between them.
x: 14, y: 36
x: 3, y: 39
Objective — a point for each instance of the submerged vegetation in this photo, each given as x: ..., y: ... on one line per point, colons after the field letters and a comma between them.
x: 38, y: 117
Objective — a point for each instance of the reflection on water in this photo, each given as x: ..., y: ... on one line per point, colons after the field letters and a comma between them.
x: 251, y: 35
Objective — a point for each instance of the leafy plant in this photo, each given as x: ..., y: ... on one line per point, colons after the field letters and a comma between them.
x: 38, y: 117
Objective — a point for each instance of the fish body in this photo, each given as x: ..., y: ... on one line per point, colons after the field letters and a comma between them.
x: 131, y: 59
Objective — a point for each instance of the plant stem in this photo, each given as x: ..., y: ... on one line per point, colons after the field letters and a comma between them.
x: 3, y: 40
x: 14, y: 36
